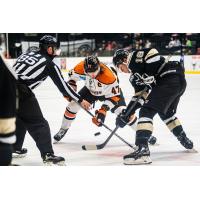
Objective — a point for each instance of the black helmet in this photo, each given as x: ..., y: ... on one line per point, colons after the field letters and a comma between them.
x: 91, y: 64
x: 48, y: 41
x: 119, y: 56
x: 32, y: 48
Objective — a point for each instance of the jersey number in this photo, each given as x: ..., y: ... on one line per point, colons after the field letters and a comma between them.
x: 28, y: 59
x: 115, y: 90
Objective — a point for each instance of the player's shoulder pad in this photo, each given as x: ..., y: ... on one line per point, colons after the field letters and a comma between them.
x: 79, y: 68
x: 151, y: 53
x: 106, y: 76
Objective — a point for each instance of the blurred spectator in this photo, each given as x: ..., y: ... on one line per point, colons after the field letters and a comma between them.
x: 174, y: 43
x: 114, y: 45
x: 102, y: 46
x: 2, y: 43
x: 139, y: 44
x: 188, y: 45
x: 109, y: 46
x: 171, y: 43
x: 177, y: 42
x: 106, y: 43
x: 148, y: 44
x: 188, y: 42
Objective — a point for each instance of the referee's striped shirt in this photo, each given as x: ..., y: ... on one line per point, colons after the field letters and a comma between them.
x: 33, y: 68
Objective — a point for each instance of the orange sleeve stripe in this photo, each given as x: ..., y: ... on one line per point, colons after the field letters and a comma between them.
x: 79, y: 68
x: 115, y: 99
x: 106, y: 76
x: 69, y: 115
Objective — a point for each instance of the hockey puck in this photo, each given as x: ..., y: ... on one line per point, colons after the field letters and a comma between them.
x: 83, y: 147
x: 96, y: 134
x: 152, y: 140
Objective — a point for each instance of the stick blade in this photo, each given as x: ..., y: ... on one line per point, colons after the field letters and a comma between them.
x: 192, y: 150
x: 89, y: 147
x: 93, y: 147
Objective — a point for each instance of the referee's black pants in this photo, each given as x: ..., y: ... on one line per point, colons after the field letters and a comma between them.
x: 30, y: 118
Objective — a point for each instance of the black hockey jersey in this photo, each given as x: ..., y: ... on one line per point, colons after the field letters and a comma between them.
x: 33, y: 68
x: 148, y: 62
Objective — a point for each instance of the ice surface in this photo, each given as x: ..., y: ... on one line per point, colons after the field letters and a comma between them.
x: 169, y: 152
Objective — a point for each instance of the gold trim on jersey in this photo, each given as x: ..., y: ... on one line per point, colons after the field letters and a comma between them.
x: 151, y: 53
x: 145, y: 126
x: 7, y: 125
x: 173, y: 124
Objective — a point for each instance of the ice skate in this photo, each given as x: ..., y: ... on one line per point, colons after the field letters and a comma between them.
x: 186, y: 142
x: 19, y: 153
x: 138, y: 157
x: 50, y: 159
x: 58, y: 136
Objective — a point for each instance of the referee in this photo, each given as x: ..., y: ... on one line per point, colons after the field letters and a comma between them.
x: 32, y: 69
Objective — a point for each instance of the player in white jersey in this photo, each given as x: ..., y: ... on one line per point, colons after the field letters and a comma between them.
x: 101, y: 84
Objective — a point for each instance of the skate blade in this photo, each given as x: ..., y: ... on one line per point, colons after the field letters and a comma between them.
x: 134, y: 147
x: 156, y: 144
x: 141, y: 161
x: 192, y: 151
x: 18, y: 155
x: 62, y: 163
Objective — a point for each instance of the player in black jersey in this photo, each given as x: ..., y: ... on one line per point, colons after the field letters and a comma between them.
x: 32, y: 69
x: 7, y: 113
x: 122, y: 104
x: 166, y: 83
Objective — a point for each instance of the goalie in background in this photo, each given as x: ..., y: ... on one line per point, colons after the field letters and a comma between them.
x: 166, y: 86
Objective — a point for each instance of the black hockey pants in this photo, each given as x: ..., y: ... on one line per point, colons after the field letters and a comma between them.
x: 30, y: 118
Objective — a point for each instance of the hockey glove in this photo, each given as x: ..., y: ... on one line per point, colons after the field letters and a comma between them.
x: 100, y: 116
x: 143, y: 80
x: 122, y: 120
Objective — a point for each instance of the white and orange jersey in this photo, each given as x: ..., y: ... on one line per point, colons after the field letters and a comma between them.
x: 105, y: 84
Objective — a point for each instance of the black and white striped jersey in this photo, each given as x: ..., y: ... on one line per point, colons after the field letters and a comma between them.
x: 33, y: 68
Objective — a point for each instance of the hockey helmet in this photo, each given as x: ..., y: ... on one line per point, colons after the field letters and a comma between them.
x: 119, y: 56
x: 48, y: 41
x: 91, y: 64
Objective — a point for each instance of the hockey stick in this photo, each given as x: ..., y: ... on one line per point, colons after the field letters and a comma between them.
x: 92, y: 147
x: 102, y: 145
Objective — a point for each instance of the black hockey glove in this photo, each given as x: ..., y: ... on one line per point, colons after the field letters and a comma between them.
x: 122, y: 120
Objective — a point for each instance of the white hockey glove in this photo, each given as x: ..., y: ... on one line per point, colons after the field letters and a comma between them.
x: 144, y: 80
